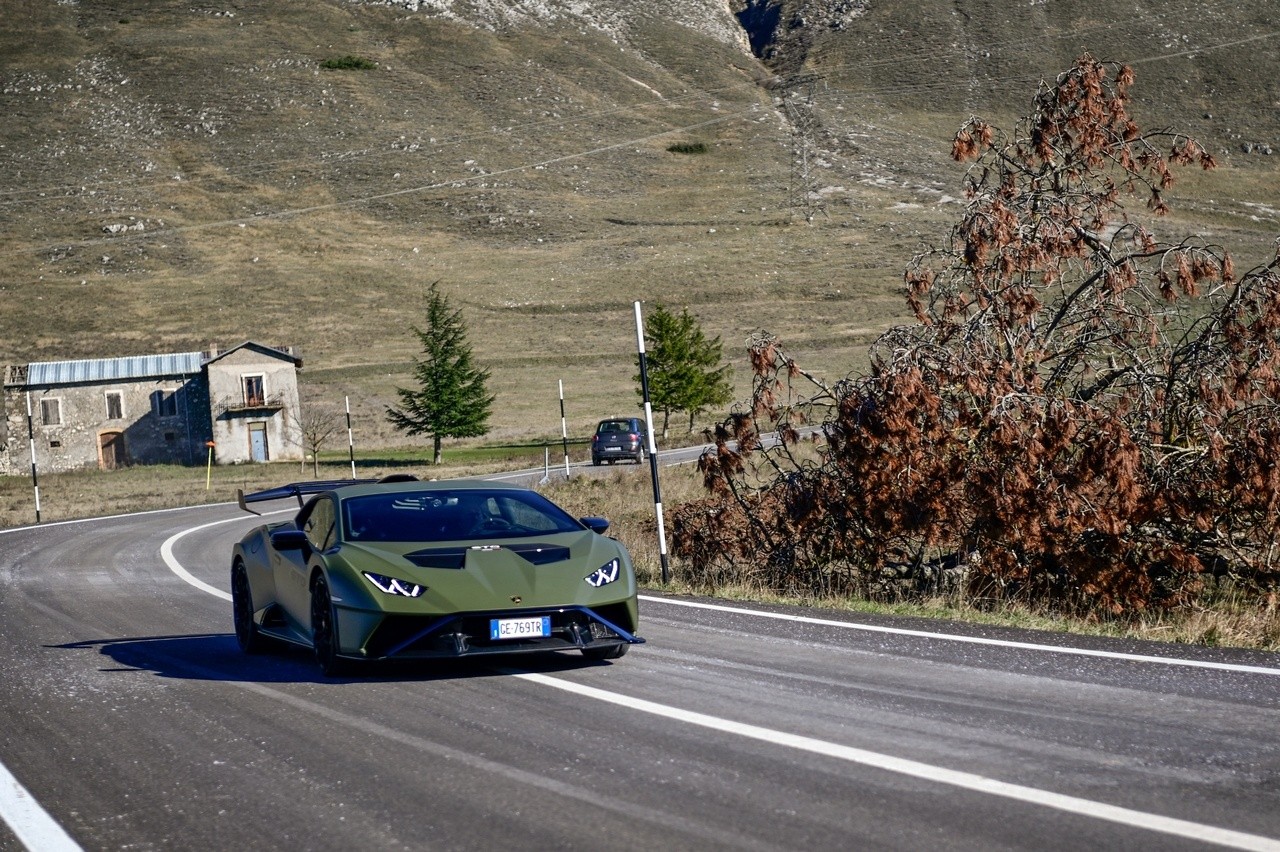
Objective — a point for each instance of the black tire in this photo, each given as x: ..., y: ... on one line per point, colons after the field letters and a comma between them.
x: 247, y: 635
x: 324, y: 630
x: 610, y: 653
x: 595, y: 461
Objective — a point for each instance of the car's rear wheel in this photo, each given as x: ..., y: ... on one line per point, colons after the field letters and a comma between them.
x: 611, y: 653
x: 247, y: 635
x: 324, y: 629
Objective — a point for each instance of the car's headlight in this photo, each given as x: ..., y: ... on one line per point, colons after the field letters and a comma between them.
x: 392, y: 586
x: 605, y: 574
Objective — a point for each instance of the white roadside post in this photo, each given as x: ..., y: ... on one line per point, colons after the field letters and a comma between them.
x: 653, y: 447
x: 564, y: 431
x: 31, y: 440
x: 351, y: 441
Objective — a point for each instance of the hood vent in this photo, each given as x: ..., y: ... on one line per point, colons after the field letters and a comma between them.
x: 456, y: 557
x: 439, y: 557
x: 539, y: 554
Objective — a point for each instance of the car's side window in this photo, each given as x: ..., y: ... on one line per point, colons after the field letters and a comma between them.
x: 320, y: 525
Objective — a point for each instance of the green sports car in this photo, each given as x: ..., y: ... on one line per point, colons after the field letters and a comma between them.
x: 403, y: 569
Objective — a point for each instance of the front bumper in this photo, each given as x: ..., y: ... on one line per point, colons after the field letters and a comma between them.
x: 415, y: 637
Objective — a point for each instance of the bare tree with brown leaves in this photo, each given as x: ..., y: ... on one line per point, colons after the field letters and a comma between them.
x: 1082, y: 415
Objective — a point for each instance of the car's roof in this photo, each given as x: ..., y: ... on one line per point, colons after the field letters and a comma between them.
x: 364, y: 488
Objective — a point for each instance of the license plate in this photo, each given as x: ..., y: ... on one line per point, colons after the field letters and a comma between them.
x: 613, y: 449
x: 519, y: 628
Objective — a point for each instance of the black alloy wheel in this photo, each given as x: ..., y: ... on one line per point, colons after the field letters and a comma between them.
x: 247, y: 635
x: 324, y: 630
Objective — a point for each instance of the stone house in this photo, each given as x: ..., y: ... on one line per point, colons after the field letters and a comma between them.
x: 152, y: 409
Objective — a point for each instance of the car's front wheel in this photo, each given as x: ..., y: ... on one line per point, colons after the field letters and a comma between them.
x: 324, y: 629
x: 610, y: 653
x: 247, y: 635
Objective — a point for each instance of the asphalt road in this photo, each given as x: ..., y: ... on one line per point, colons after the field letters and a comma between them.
x: 129, y: 720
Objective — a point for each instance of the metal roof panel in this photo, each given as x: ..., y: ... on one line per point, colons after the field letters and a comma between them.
x: 49, y: 373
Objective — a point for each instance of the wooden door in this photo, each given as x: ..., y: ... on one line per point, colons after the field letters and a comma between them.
x: 112, y: 450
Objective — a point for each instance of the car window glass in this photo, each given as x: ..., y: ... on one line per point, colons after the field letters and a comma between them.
x: 442, y: 515
x: 527, y: 517
x: 319, y: 524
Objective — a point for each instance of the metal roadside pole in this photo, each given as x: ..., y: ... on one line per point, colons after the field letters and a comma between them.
x: 31, y: 440
x: 564, y: 431
x: 351, y: 441
x: 653, y: 447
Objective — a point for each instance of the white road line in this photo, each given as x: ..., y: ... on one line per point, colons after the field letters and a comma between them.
x: 973, y: 640
x: 166, y: 553
x: 924, y: 771
x: 47, y: 524
x: 33, y: 826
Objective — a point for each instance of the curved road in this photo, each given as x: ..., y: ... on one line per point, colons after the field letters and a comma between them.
x: 131, y: 720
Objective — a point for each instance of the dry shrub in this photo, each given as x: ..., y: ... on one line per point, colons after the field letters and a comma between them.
x: 1082, y: 415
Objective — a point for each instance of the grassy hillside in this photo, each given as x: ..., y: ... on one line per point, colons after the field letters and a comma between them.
x: 298, y: 171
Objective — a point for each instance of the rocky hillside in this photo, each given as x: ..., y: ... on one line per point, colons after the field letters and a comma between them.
x: 296, y: 171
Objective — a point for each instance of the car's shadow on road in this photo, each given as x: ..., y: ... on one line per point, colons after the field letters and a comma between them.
x: 216, y: 656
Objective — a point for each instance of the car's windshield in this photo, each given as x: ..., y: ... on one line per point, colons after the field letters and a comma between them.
x: 452, y: 516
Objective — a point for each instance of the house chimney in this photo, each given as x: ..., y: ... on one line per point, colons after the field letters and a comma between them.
x: 213, y: 351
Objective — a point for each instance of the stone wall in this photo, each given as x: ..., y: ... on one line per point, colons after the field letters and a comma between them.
x: 159, y: 421
x: 236, y: 416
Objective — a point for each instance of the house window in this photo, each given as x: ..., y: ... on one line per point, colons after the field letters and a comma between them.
x: 253, y: 392
x: 115, y: 405
x: 164, y: 403
x: 51, y: 412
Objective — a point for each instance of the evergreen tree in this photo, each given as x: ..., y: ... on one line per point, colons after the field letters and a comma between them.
x: 684, y: 369
x: 452, y: 400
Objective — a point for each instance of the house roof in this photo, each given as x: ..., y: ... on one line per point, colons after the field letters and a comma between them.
x: 131, y: 368
x: 284, y: 353
x: 48, y: 373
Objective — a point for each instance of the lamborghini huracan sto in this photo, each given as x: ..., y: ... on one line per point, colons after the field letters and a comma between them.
x: 397, y: 570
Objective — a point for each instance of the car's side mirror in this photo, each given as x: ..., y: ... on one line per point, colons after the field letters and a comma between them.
x: 289, y: 540
x: 596, y: 525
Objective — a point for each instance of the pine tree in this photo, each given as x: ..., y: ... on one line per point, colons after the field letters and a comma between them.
x: 683, y: 366
x: 452, y: 399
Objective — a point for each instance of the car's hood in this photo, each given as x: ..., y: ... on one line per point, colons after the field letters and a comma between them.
x: 550, y: 570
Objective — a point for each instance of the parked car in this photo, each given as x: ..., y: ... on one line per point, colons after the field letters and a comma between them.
x: 387, y: 570
x: 618, y: 438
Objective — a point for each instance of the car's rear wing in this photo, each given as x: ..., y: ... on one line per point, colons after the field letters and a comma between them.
x: 293, y: 489
x: 306, y: 489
